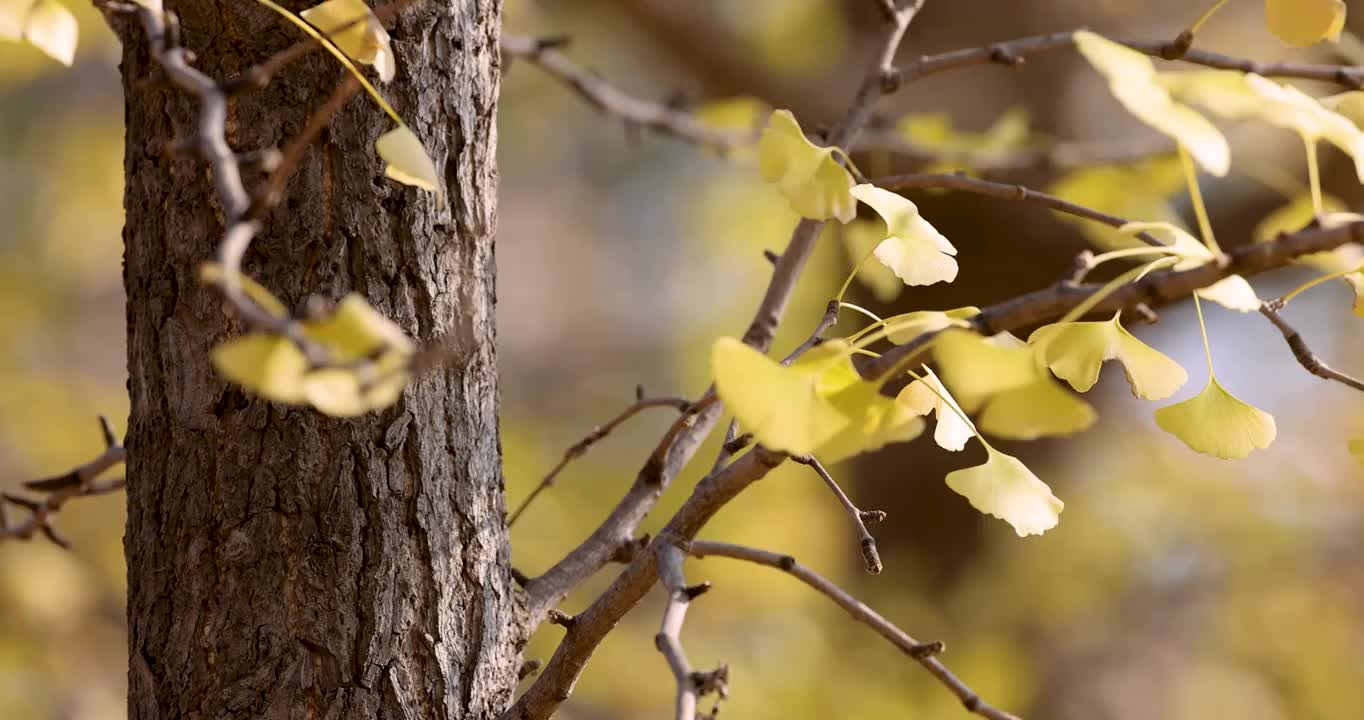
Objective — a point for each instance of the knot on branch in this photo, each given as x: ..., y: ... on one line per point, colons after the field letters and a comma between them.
x: 713, y: 682
x: 927, y: 649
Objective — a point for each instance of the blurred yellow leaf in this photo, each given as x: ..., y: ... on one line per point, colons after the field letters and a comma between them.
x: 1005, y: 488
x: 902, y: 329
x: 268, y: 365
x: 1357, y: 449
x: 1040, y: 408
x: 1132, y: 78
x: 1075, y: 351
x: 354, y: 29
x: 46, y: 24
x: 1214, y: 422
x: 1136, y: 190
x: 1304, y: 22
x: 211, y: 273
x: 934, y: 131
x: 874, y: 421
x: 407, y: 160
x: 914, y: 250
x: 975, y: 367
x: 860, y: 238
x: 780, y: 405
x: 355, y: 330
x: 1356, y: 282
x: 809, y: 177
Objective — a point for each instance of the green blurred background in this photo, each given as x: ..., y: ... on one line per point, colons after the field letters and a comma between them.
x: 1176, y: 586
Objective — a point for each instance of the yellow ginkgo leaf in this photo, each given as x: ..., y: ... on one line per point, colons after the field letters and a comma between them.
x: 356, y: 31
x: 861, y: 237
x: 1356, y: 282
x: 407, y: 160
x: 1005, y: 488
x: 1074, y: 351
x: 1039, y: 409
x: 268, y: 365
x: 1232, y: 292
x: 335, y: 392
x: 1214, y: 422
x: 874, y: 422
x: 735, y: 113
x: 904, y: 328
x: 1356, y: 446
x: 1132, y: 78
x: 46, y: 24
x: 1304, y: 22
x: 781, y: 406
x: 1135, y: 190
x: 929, y: 395
x: 211, y: 273
x: 914, y: 250
x: 975, y: 367
x: 355, y: 331
x: 808, y: 176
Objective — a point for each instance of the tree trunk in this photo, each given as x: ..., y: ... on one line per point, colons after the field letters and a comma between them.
x: 282, y: 564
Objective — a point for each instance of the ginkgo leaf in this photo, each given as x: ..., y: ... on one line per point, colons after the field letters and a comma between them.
x: 781, y: 406
x: 1294, y: 215
x: 904, y: 328
x: 860, y: 238
x: 211, y: 273
x: 808, y: 176
x: 1131, y: 190
x: 914, y: 250
x: 1356, y: 282
x: 934, y: 131
x: 407, y: 160
x: 1304, y: 22
x: 874, y: 421
x: 735, y: 113
x: 1074, y: 351
x: 1132, y: 78
x: 975, y: 367
x: 1214, y: 422
x: 1232, y: 292
x: 355, y: 331
x: 354, y: 29
x: 1038, y: 409
x: 1005, y: 488
x: 46, y: 24
x: 953, y: 429
x: 268, y: 365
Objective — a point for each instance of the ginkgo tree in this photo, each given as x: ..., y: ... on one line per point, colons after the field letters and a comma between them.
x: 399, y: 342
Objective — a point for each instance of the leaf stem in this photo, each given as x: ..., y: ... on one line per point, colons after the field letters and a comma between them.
x: 864, y: 311
x: 1207, y: 14
x: 856, y: 269
x: 1098, y: 296
x: 1196, y: 196
x: 1317, y: 281
x: 1313, y: 174
x: 1203, y: 328
x: 949, y: 401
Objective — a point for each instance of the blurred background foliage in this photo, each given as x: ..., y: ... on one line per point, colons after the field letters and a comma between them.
x: 1176, y: 586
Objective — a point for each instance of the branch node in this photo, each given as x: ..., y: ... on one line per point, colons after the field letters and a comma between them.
x: 891, y: 79
x: 771, y: 256
x: 872, y: 516
x: 1177, y: 48
x: 927, y: 649
x: 559, y: 617
x: 695, y: 591
x: 870, y: 557
x: 528, y: 668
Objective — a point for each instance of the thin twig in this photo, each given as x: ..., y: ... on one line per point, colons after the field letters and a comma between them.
x: 601, y: 431
x: 691, y: 685
x: 924, y: 653
x: 1054, y: 156
x: 1302, y: 353
x: 80, y: 481
x: 871, y: 557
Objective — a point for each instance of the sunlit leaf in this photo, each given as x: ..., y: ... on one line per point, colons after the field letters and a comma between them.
x: 874, y: 421
x: 781, y: 406
x: 1041, y: 408
x: 356, y: 31
x: 860, y: 238
x: 1356, y: 282
x: 1304, y: 22
x: 1135, y: 190
x: 46, y: 24
x: 407, y: 160
x: 1074, y: 351
x: 12, y: 15
x: 1132, y: 78
x: 355, y: 330
x: 904, y: 328
x: 268, y: 365
x: 919, y: 397
x: 914, y: 250
x: 975, y: 367
x: 809, y: 177
x: 1005, y: 488
x: 211, y: 273
x: 1214, y: 422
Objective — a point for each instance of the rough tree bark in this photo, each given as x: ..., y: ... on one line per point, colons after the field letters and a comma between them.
x: 282, y: 564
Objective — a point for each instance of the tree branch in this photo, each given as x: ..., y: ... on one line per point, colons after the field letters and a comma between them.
x: 78, y: 482
x: 871, y: 558
x: 579, y: 448
x: 1302, y: 353
x: 691, y: 685
x: 923, y: 653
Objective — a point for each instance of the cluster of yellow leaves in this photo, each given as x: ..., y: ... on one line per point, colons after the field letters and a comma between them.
x: 369, y: 357
x: 46, y: 24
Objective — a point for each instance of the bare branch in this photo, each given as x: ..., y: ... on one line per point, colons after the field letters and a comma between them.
x: 690, y: 684
x: 78, y: 482
x: 1154, y: 290
x: 1054, y: 156
x: 871, y: 558
x: 592, y: 438
x: 923, y: 653
x: 1302, y: 353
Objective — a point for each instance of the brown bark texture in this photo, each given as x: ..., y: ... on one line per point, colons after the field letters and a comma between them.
x: 283, y: 564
